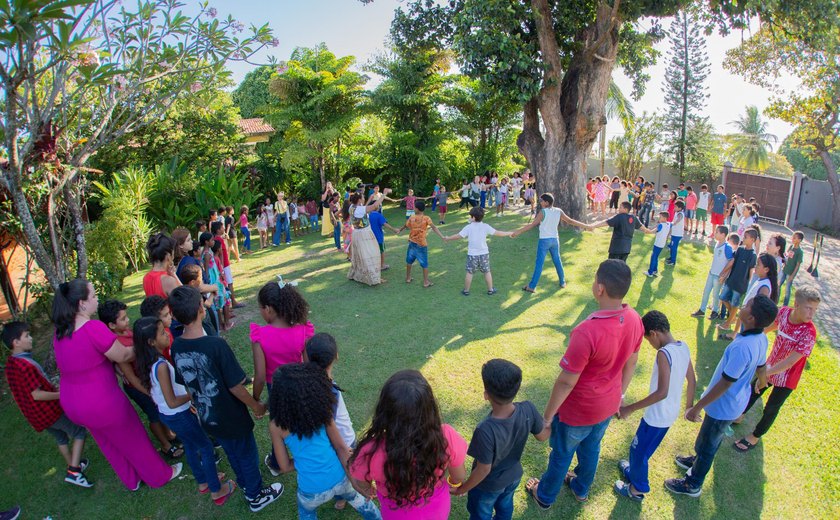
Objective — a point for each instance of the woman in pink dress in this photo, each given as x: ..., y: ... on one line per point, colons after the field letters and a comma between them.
x: 85, y: 351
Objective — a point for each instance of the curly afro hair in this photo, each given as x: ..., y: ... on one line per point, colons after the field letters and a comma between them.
x: 287, y: 302
x: 301, y: 400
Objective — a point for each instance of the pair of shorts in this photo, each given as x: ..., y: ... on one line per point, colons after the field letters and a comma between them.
x: 419, y: 253
x: 733, y: 297
x: 689, y: 213
x: 228, y: 275
x: 64, y: 429
x: 144, y: 402
x: 409, y: 213
x: 478, y: 263
x: 701, y: 215
x: 717, y: 219
x: 502, y: 199
x: 442, y: 210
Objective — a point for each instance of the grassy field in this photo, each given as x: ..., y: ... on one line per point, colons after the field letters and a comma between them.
x: 792, y: 474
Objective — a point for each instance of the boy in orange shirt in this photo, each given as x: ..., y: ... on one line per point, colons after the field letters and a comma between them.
x: 418, y: 226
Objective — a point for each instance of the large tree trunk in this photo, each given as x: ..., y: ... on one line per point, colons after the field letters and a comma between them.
x: 834, y: 181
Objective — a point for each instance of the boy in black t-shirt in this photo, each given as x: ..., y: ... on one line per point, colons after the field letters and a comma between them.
x: 623, y: 224
x: 497, y: 443
x: 736, y: 278
x: 206, y: 365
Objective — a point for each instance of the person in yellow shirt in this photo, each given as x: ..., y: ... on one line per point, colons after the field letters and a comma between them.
x: 281, y: 217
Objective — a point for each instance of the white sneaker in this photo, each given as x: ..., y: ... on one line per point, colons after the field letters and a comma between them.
x: 78, y: 479
x: 266, y: 496
x: 176, y: 470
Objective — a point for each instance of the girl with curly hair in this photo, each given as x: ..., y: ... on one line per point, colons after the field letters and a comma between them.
x: 157, y: 376
x: 301, y: 409
x: 408, y: 452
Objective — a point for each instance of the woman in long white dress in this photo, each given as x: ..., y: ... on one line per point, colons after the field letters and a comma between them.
x: 365, y: 261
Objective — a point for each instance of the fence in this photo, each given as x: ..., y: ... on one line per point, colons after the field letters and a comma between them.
x: 812, y: 203
x: 772, y: 193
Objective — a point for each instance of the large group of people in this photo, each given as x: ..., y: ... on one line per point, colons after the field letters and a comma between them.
x: 181, y: 372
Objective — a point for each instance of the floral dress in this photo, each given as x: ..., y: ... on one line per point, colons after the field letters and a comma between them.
x: 602, y: 192
x: 223, y: 297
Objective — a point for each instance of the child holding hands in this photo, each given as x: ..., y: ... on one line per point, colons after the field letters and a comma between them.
x: 478, y: 254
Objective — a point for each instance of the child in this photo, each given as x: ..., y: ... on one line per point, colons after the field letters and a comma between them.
x: 795, y: 257
x: 677, y: 231
x: 409, y: 482
x: 215, y: 380
x: 478, y: 254
x: 262, y: 226
x: 662, y: 405
x: 211, y: 267
x: 663, y: 229
x: 442, y: 197
x: 498, y: 442
x: 721, y: 255
x: 346, y: 229
x: 157, y: 307
x: 747, y: 220
x: 312, y: 211
x: 719, y: 206
x: 303, y: 216
x: 418, y: 226
x: 294, y: 216
x: 38, y: 401
x: 794, y: 342
x: 243, y: 226
x: 736, y: 275
x: 704, y: 199
x: 501, y: 199
x: 672, y: 202
x: 727, y: 394
x: 410, y: 201
x: 173, y: 404
x: 190, y: 276
x: 201, y: 227
x: 690, y: 208
x: 377, y: 222
x: 224, y: 267
x: 623, y: 224
x: 230, y: 233
x: 530, y: 198
x: 322, y: 350
x: 302, y: 426
x: 664, y: 197
x: 113, y: 314
x: 435, y: 191
x: 766, y: 285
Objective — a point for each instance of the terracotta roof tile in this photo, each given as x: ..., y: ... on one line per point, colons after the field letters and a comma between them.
x: 255, y: 125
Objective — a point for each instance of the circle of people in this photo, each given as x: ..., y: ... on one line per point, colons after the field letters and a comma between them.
x: 408, y: 463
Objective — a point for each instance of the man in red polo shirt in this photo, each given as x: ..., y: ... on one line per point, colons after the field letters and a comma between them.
x: 594, y: 373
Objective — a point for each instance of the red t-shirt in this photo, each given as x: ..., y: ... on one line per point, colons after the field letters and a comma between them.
x: 598, y: 349
x: 791, y: 338
x: 225, y: 257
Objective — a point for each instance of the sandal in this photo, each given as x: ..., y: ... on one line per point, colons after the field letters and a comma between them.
x: 531, y: 488
x: 174, y: 452
x: 744, y: 445
x: 570, y: 476
x: 528, y: 290
x: 221, y: 500
x: 409, y: 280
x: 426, y: 286
x: 492, y: 291
x: 219, y: 475
x: 465, y: 292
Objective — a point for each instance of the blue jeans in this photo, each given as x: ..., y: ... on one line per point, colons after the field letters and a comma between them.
x: 247, y: 234
x: 313, y: 221
x: 706, y: 446
x: 546, y: 246
x: 244, y: 459
x: 645, y: 442
x: 309, y: 502
x: 565, y: 441
x: 481, y: 504
x: 282, y: 226
x: 197, y: 447
x: 644, y: 214
x: 787, y: 283
x: 713, y: 288
x: 675, y: 243
x: 337, y: 235
x: 483, y: 198
x: 654, y: 260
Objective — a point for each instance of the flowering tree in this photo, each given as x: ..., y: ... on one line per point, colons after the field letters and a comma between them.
x: 79, y: 74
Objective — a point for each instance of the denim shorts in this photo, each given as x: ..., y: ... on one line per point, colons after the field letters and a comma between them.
x: 478, y: 263
x: 419, y: 253
x: 689, y: 213
x: 728, y: 295
x: 64, y: 429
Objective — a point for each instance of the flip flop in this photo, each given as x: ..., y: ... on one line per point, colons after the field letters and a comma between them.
x: 409, y: 280
x: 425, y: 286
x: 385, y: 267
x: 221, y: 500
x: 528, y: 290
x: 531, y: 488
x: 568, y: 481
x: 220, y: 476
x: 744, y: 442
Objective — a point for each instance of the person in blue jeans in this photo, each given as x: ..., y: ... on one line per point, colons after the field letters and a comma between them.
x: 677, y: 231
x: 727, y: 394
x: 281, y: 219
x: 596, y: 369
x: 548, y: 219
x: 498, y: 442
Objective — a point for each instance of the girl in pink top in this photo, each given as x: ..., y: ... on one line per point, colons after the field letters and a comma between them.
x: 407, y: 452
x: 85, y: 352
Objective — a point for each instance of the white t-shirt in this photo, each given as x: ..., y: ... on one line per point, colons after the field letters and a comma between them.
x: 703, y: 200
x: 753, y: 289
x: 503, y: 188
x: 343, y: 422
x: 665, y: 412
x: 157, y: 394
x: 721, y: 256
x: 550, y: 221
x: 678, y: 225
x: 662, y: 230
x: 476, y: 235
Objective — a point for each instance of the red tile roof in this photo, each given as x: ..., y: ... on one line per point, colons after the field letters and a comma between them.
x: 255, y: 126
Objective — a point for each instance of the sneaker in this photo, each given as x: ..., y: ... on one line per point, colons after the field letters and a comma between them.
x: 651, y: 275
x: 176, y: 470
x: 491, y: 292
x: 84, y: 463
x: 685, y: 461
x: 714, y: 315
x: 10, y: 514
x: 698, y: 314
x: 668, y: 262
x: 77, y: 478
x: 680, y: 487
x: 266, y: 496
x: 623, y: 489
x: 275, y: 472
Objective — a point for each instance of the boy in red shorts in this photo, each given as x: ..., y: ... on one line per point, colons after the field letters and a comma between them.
x: 441, y: 197
x: 719, y: 201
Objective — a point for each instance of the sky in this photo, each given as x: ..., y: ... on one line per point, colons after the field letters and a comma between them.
x: 350, y: 28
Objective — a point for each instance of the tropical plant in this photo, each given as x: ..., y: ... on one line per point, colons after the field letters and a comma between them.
x: 752, y: 143
x: 632, y: 150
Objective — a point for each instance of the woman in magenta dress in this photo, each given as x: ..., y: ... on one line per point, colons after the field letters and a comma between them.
x: 85, y: 351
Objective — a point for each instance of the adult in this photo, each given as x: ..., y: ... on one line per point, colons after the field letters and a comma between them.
x: 282, y: 220
x: 183, y: 257
x: 548, y: 218
x: 161, y: 279
x: 365, y: 259
x: 335, y: 220
x: 85, y: 352
x: 595, y: 371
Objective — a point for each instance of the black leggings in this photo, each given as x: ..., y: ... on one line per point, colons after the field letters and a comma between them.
x: 771, y: 409
x: 614, y: 199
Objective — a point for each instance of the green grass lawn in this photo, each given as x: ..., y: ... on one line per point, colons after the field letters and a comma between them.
x: 792, y: 474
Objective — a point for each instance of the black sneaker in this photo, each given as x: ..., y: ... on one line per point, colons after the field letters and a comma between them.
x: 10, y: 514
x: 266, y: 496
x: 680, y: 487
x: 275, y: 472
x: 714, y: 315
x: 698, y: 314
x: 685, y: 461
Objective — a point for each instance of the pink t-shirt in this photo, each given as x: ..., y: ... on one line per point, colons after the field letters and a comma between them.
x: 791, y: 338
x: 598, y: 349
x: 409, y: 202
x: 281, y: 345
x: 243, y: 220
x: 372, y: 469
x: 691, y: 201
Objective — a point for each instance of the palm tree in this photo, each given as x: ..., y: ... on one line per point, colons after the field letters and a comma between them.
x: 752, y: 143
x: 618, y: 107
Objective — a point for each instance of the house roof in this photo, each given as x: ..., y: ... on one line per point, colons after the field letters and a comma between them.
x: 255, y: 126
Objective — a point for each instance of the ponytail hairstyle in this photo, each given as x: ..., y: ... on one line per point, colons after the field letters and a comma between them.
x: 159, y: 245
x: 66, y: 305
x: 179, y: 236
x: 145, y: 353
x: 286, y: 302
x: 781, y: 242
x: 322, y: 350
x: 768, y: 261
